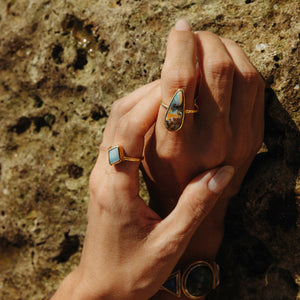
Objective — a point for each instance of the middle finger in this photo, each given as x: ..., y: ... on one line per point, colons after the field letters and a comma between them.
x: 217, y: 70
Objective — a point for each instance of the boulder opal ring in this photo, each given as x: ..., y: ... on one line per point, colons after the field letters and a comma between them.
x: 176, y: 111
x: 116, y: 155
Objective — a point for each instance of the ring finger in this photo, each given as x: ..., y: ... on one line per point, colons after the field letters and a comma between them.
x: 128, y: 128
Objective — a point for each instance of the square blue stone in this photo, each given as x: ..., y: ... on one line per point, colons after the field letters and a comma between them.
x: 114, y: 156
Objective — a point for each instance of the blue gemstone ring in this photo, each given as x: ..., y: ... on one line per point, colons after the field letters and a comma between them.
x: 176, y: 111
x: 116, y: 155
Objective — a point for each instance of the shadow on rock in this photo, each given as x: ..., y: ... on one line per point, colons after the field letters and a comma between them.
x: 260, y: 252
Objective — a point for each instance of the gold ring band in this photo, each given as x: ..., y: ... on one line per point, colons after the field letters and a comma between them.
x: 132, y: 158
x: 116, y: 155
x: 164, y: 105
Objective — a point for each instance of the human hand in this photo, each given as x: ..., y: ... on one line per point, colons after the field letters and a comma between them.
x: 129, y: 251
x: 228, y: 129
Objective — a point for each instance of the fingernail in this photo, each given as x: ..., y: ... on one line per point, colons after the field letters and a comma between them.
x: 221, y: 179
x: 182, y: 25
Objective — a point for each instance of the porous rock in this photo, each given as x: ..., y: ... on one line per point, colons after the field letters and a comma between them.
x: 62, y: 65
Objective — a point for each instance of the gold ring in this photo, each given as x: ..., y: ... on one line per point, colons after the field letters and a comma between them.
x: 116, y: 155
x: 203, y: 274
x: 176, y: 111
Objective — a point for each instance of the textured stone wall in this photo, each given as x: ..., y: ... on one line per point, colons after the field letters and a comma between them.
x: 63, y: 63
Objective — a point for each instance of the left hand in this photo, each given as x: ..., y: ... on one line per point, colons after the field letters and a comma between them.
x: 129, y: 251
x: 228, y: 129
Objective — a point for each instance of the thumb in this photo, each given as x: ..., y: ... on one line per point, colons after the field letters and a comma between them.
x: 196, y: 201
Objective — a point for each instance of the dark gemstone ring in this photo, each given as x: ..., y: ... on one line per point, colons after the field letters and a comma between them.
x: 197, y: 280
x: 176, y: 111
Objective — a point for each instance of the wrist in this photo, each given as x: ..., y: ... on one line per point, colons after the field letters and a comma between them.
x: 194, y: 281
x: 67, y: 288
x: 73, y: 287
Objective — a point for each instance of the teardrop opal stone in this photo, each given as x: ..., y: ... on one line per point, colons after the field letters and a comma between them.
x: 175, y: 113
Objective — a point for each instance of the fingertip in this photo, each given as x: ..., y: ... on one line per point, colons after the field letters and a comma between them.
x: 182, y: 25
x: 221, y: 179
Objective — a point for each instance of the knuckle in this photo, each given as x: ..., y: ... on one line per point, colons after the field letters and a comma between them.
x: 129, y: 127
x: 220, y: 67
x: 117, y: 108
x: 178, y: 77
x: 251, y: 77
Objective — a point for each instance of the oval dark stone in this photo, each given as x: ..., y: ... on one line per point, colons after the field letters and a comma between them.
x: 199, y: 281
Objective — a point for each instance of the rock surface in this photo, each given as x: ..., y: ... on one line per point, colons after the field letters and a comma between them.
x: 63, y: 63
